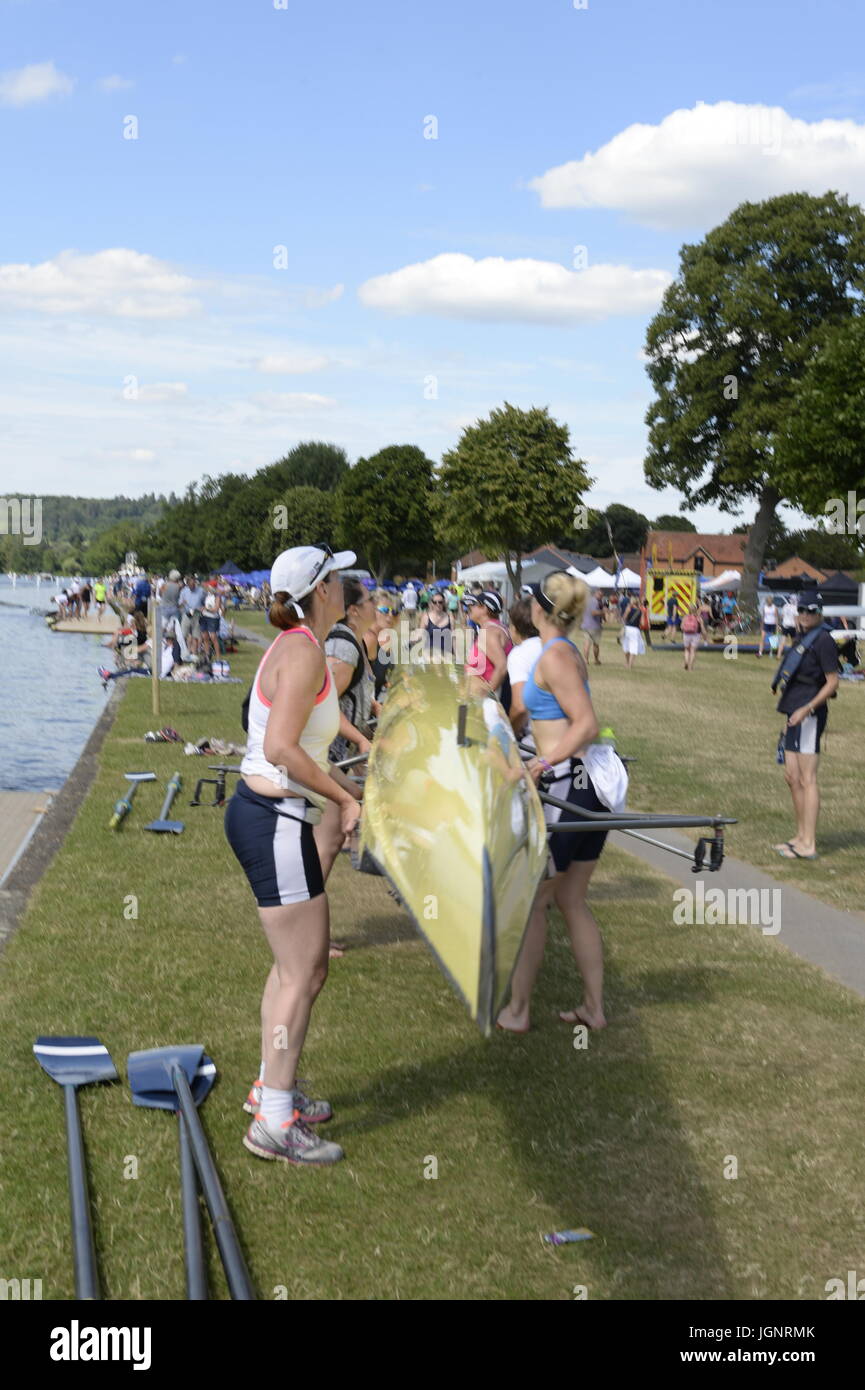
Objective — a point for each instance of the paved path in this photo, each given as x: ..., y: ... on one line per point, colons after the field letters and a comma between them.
x: 20, y: 813
x: 823, y: 935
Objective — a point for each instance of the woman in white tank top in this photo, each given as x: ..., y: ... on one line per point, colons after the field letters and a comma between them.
x: 293, y: 718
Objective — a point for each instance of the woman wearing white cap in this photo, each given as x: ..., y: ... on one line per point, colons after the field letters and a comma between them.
x: 294, y: 717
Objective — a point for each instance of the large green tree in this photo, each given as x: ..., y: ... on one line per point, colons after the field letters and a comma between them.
x: 383, y: 510
x: 107, y: 552
x: 300, y: 516
x: 627, y: 527
x: 727, y: 351
x: 822, y: 444
x: 309, y: 464
x: 510, y: 484
x: 673, y: 521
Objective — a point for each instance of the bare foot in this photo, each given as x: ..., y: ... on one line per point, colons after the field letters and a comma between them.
x: 335, y: 952
x: 581, y: 1015
x: 509, y: 1022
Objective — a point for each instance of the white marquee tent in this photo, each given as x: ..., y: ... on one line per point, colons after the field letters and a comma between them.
x: 596, y: 578
x: 730, y: 579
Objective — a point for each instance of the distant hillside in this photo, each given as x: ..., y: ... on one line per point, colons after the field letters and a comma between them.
x: 70, y: 526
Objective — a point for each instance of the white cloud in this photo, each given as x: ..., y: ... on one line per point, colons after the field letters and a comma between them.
x: 115, y: 83
x: 130, y: 455
x: 292, y: 402
x: 163, y: 391
x: 316, y: 299
x: 496, y: 290
x: 698, y: 164
x: 37, y: 82
x: 291, y: 363
x: 118, y: 282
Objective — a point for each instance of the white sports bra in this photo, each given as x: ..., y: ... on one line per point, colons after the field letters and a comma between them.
x: 320, y: 730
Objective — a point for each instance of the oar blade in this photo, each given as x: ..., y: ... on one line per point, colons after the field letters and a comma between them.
x: 75, y: 1061
x: 150, y: 1075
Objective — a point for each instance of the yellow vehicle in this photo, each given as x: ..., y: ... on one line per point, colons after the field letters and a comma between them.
x: 455, y: 823
x: 682, y: 585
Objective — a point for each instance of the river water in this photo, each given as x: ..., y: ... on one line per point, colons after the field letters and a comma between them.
x: 50, y: 693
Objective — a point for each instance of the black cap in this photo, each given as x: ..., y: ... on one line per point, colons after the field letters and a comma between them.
x: 488, y: 599
x: 810, y: 603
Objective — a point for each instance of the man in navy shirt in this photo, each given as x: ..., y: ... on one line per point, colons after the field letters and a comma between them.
x: 141, y: 593
x: 804, y: 702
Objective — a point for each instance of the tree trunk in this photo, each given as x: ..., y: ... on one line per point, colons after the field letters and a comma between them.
x: 755, y: 546
x: 515, y: 572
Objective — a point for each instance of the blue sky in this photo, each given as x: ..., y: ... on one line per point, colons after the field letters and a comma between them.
x: 148, y: 338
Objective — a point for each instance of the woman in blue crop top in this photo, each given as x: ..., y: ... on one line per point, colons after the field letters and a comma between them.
x: 556, y: 695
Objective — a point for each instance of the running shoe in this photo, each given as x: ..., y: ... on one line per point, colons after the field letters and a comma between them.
x: 312, y: 1112
x: 293, y: 1142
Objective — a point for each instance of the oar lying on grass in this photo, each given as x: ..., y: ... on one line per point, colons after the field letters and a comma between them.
x: 163, y: 825
x: 167, y: 1073
x: 205, y: 1075
x: 124, y: 806
x: 75, y: 1062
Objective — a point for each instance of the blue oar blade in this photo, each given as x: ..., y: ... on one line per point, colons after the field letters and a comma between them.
x: 75, y: 1061
x: 150, y: 1074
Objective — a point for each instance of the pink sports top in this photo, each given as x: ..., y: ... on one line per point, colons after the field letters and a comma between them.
x: 473, y: 660
x: 320, y: 730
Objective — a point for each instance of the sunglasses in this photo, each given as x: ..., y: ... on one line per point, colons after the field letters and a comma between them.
x: 384, y: 610
x: 328, y: 555
x: 811, y: 608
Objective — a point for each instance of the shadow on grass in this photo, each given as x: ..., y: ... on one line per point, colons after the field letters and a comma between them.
x: 378, y: 931
x: 594, y: 1133
x: 840, y: 839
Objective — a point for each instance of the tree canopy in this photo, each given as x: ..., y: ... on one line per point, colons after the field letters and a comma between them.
x: 510, y: 484
x: 382, y: 510
x: 821, y: 451
x: 628, y: 527
x: 673, y: 521
x: 736, y: 332
x: 309, y: 464
x: 300, y: 516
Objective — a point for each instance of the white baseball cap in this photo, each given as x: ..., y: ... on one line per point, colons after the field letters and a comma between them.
x: 297, y: 571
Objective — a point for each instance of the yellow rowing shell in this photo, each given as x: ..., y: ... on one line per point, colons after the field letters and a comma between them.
x: 453, y: 821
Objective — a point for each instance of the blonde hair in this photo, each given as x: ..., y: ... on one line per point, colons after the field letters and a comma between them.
x: 570, y: 596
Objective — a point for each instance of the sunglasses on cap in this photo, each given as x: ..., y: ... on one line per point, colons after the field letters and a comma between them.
x: 328, y: 555
x: 538, y: 592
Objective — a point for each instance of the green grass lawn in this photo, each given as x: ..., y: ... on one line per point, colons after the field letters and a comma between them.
x: 721, y: 1044
x: 254, y: 620
x: 706, y: 741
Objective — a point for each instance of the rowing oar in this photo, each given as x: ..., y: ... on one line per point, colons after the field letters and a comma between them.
x: 74, y: 1062
x: 124, y: 806
x: 629, y: 823
x: 163, y: 825
x: 168, y: 1072
x: 193, y: 1245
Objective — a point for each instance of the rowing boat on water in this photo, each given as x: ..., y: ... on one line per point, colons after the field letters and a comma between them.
x: 454, y: 822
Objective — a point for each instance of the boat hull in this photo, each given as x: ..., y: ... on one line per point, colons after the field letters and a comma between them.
x: 456, y: 825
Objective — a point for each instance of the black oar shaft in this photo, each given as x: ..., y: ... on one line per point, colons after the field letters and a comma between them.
x: 635, y: 820
x: 83, y: 1249
x: 196, y: 1277
x: 236, y: 1272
